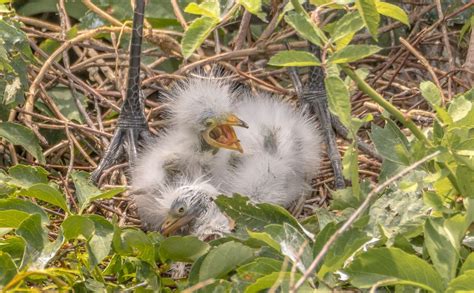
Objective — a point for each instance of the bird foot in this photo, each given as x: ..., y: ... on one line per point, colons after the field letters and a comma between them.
x: 125, y: 139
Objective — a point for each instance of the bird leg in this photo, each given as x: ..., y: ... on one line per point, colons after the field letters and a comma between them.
x: 132, y: 125
x: 314, y: 95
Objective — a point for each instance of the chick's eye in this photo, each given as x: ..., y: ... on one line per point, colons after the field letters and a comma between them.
x: 181, y: 210
x: 208, y: 123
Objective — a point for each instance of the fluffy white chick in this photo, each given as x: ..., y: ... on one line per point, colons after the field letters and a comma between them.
x: 201, y: 123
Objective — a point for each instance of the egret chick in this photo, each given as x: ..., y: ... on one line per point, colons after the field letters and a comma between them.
x: 201, y: 123
x: 282, y: 154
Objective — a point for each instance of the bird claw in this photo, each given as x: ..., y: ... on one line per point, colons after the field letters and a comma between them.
x: 124, y: 139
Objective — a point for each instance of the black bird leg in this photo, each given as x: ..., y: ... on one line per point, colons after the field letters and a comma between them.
x: 315, y: 97
x: 132, y: 125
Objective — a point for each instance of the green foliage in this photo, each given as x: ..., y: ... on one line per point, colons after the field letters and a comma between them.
x: 417, y: 233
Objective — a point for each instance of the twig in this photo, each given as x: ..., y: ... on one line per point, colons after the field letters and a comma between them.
x: 355, y: 216
x: 101, y: 13
x: 425, y: 63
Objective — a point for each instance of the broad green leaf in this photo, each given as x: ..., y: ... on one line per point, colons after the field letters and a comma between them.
x: 258, y: 268
x: 281, y: 279
x: 184, y: 249
x: 368, y: 11
x: 20, y: 135
x: 459, y: 108
x: 463, y: 283
x: 66, y: 103
x: 353, y: 53
x: 35, y: 236
x: 75, y: 227
x: 399, y: 213
x: 134, y: 242
x: 392, y: 11
x: 12, y: 218
x: 206, y: 8
x: 33, y: 7
x: 46, y: 193
x: 442, y: 253
x: 86, y: 192
x: 196, y: 34
x: 348, y: 25
x: 431, y: 93
x: 387, y: 139
x: 266, y: 238
x: 342, y: 249
x: 223, y: 259
x: 305, y: 28
x: 100, y: 243
x: 465, y: 180
x: 254, y: 217
x: 24, y: 206
x: 294, y: 58
x: 339, y: 99
x: 468, y: 264
x: 25, y: 176
x: 391, y: 266
x: 8, y: 269
x: 254, y: 7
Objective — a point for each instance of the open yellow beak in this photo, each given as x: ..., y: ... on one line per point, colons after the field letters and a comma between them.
x: 223, y: 135
x: 172, y: 224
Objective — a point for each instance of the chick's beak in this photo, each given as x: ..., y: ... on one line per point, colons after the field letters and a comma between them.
x: 223, y: 135
x: 172, y: 224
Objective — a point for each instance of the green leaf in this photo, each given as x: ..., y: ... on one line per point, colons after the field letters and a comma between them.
x: 468, y: 264
x: 46, y: 193
x: 133, y: 242
x: 36, y: 238
x: 339, y: 99
x: 223, y: 259
x: 12, y: 218
x: 442, y: 253
x: 431, y: 93
x: 294, y: 58
x: 254, y: 7
x: 100, y: 243
x: 342, y: 249
x: 463, y: 283
x: 349, y: 24
x: 24, y: 206
x: 258, y: 268
x: 184, y: 249
x: 353, y: 53
x: 283, y: 279
x: 206, y: 8
x: 392, y: 11
x: 25, y: 176
x: 368, y: 11
x: 254, y: 217
x: 86, y: 192
x: 66, y: 103
x: 305, y: 28
x: 459, y: 108
x: 20, y: 135
x: 77, y: 227
x: 196, y: 34
x: 386, y: 141
x: 266, y: 238
x: 8, y: 269
x: 391, y: 266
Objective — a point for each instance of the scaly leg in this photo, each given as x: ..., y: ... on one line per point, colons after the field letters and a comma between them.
x: 132, y: 125
x: 314, y: 95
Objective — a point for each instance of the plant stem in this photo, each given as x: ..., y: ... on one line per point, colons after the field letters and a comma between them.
x: 368, y: 90
x: 406, y: 121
